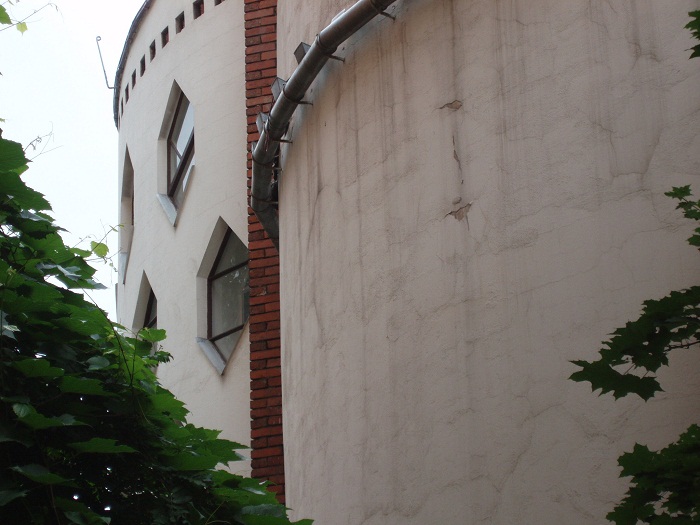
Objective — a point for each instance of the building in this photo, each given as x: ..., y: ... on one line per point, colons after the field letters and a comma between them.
x: 472, y: 198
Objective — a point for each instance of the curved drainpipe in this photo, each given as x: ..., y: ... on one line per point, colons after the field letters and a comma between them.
x: 327, y: 41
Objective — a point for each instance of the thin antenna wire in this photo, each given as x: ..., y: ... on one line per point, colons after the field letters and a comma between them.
x: 97, y: 39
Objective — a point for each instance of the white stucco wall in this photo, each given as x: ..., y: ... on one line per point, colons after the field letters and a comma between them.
x: 443, y: 261
x: 205, y: 60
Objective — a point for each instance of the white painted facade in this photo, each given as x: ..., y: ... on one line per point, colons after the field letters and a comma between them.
x: 474, y: 199
x: 204, y: 60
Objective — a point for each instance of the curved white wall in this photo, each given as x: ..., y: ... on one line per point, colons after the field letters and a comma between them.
x: 206, y: 60
x: 474, y: 199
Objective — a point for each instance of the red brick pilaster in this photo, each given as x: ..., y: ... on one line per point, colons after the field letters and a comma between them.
x: 265, y: 371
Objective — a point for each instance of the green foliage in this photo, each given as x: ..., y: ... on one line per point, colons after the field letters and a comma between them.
x: 4, y: 17
x: 694, y: 26
x: 636, y: 351
x: 691, y: 208
x: 87, y: 434
x: 665, y: 485
x: 20, y: 25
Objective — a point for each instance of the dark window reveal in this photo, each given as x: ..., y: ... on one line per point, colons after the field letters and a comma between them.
x: 198, y: 8
x: 180, y: 22
x: 151, y: 318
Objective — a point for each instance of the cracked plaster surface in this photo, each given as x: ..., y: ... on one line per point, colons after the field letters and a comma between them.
x: 475, y: 199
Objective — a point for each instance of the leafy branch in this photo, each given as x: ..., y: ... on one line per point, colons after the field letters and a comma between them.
x: 629, y: 360
x: 665, y: 485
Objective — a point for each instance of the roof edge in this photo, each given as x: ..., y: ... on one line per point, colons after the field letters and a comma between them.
x: 125, y: 51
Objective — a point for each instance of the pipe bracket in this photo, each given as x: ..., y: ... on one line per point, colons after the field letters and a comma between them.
x: 381, y: 11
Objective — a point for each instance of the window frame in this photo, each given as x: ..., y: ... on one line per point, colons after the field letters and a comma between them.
x: 176, y: 175
x: 211, y: 278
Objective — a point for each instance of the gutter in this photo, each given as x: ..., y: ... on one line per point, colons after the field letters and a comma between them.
x: 346, y: 24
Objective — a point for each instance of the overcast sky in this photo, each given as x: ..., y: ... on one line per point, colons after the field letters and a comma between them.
x: 52, y: 82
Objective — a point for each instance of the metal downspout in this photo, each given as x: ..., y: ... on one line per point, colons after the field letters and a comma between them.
x: 327, y: 41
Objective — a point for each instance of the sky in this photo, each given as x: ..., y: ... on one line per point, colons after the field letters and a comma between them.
x: 52, y: 83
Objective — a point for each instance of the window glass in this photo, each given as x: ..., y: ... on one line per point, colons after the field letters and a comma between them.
x: 233, y: 253
x: 183, y: 130
x: 180, y: 150
x: 228, y: 295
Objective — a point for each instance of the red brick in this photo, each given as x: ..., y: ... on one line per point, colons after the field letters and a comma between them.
x: 272, y: 270
x: 278, y: 480
x: 258, y: 423
x: 260, y: 30
x: 266, y: 412
x: 265, y: 317
x: 254, y: 347
x: 265, y: 372
x: 266, y: 393
x: 261, y: 299
x: 274, y: 401
x: 265, y: 336
x: 276, y: 489
x: 259, y: 48
x: 266, y: 431
x: 266, y: 452
x: 260, y: 13
x: 259, y: 404
x: 267, y: 281
x: 266, y: 243
x: 262, y: 21
x: 268, y: 372
x: 272, y: 307
x: 266, y: 471
x: 259, y: 413
x: 264, y: 355
x: 257, y: 384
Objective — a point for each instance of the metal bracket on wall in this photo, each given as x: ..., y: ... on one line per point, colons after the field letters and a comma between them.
x: 381, y: 11
x: 278, y: 89
x: 303, y: 48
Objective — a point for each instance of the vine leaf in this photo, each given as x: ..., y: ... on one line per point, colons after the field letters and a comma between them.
x: 38, y: 368
x: 39, y: 474
x: 102, y: 446
x: 99, y: 248
x: 6, y: 496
